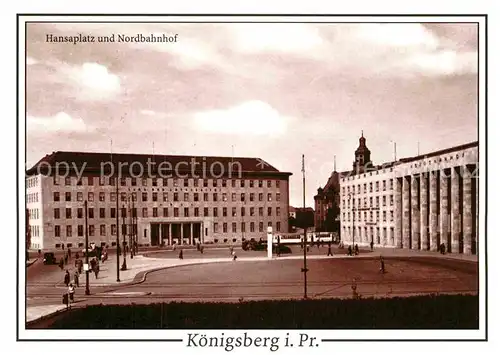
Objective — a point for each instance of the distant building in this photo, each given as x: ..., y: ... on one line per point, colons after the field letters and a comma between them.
x: 301, y: 216
x: 326, y: 204
x: 173, y: 202
x: 418, y: 202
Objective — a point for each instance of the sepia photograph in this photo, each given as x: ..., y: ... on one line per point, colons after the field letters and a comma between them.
x: 318, y: 175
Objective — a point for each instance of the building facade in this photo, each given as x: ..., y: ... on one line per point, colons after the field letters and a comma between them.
x: 326, y: 204
x: 180, y: 199
x: 418, y: 202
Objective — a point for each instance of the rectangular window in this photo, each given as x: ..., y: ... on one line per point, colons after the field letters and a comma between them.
x: 176, y: 212
x: 205, y: 197
x: 145, y: 212
x: 144, y: 196
x: 205, y: 212
x: 67, y: 181
x: 79, y: 212
x: 233, y: 212
x: 123, y: 181
x: 224, y: 227
x: 215, y: 197
x: 242, y: 197
x: 383, y: 185
x: 112, y: 181
x: 243, y: 227
x: 205, y: 182
x: 195, y: 197
x: 91, y: 213
x: 242, y: 211
x: 196, y: 182
x: 224, y: 211
x: 155, y: 196
x: 102, y: 229
x: 80, y: 230
x: 68, y: 231
x: 216, y: 227
x: 165, y: 196
x: 277, y: 184
x: 144, y: 182
x: 91, y: 197
x: 91, y: 230
x: 196, y: 212
x: 123, y: 196
x: 261, y: 227
x: 269, y: 211
x: 56, y: 213
x: 251, y: 183
x: 391, y: 199
x: 269, y: 197
x: 186, y: 182
x: 155, y: 212
x: 260, y: 183
x: 102, y: 197
x: 133, y: 181
x: 252, y: 226
x: 278, y: 211
x: 278, y: 196
x: 68, y: 196
x: 112, y: 197
x: 57, y: 231
x: 224, y: 196
x: 252, y: 211
x: 68, y: 213
x: 383, y: 201
x: 176, y: 182
x: 278, y: 226
x: 113, y: 212
x: 224, y: 182
x: 113, y: 229
x: 56, y: 196
x: 165, y: 211
x: 384, y: 216
x: 261, y: 196
x: 252, y: 196
x: 392, y: 216
x: 186, y: 211
x: 102, y: 181
x: 242, y: 183
x: 233, y: 226
x: 176, y: 196
x: 261, y: 211
x: 233, y: 196
x: 269, y: 183
x: 216, y: 212
x: 214, y: 183
x: 79, y: 182
x: 233, y: 183
x: 186, y: 196
x: 102, y: 213
x: 154, y: 181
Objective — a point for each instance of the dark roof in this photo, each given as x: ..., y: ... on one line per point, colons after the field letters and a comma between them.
x: 93, y: 162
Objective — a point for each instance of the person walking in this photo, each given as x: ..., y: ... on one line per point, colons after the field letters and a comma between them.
x: 234, y: 255
x: 66, y: 278
x: 69, y: 253
x: 76, y: 278
x: 371, y: 245
x: 201, y: 248
x: 349, y: 251
x: 382, y: 265
x: 96, y: 271
x: 71, y: 293
x: 356, y: 250
x: 329, y: 250
x: 61, y: 264
x: 181, y: 256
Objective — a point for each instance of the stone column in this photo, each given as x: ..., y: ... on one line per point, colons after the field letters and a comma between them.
x: 455, y: 211
x: 444, y: 209
x: 433, y: 216
x: 397, y: 214
x: 467, y: 210
x: 391, y: 231
x: 182, y: 233
x: 424, y: 210
x: 170, y: 233
x: 476, y: 180
x: 415, y: 214
x: 406, y: 213
x: 191, y: 239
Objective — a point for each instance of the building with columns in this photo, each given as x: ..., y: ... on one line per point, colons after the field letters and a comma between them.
x: 417, y: 202
x: 161, y: 199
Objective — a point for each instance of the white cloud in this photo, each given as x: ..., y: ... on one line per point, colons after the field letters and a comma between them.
x: 275, y: 37
x: 31, y: 61
x: 410, y: 35
x: 94, y: 80
x: 148, y: 112
x: 251, y: 117
x: 444, y: 62
x: 61, y: 122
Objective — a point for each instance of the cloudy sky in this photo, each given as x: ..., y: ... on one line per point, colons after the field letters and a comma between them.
x: 273, y: 91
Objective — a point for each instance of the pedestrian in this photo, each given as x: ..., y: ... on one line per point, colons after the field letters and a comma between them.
x: 382, y: 265
x: 71, y: 292
x: 66, y: 278
x: 77, y: 278
x: 61, y: 263
x: 371, y: 245
x: 201, y: 248
x: 96, y: 271
x: 349, y: 251
x: 329, y: 250
x: 231, y: 250
x: 356, y: 250
x: 80, y: 266
x: 69, y: 253
x: 180, y: 255
x: 92, y: 264
x: 66, y: 259
x: 234, y: 255
x: 173, y: 247
x: 39, y: 253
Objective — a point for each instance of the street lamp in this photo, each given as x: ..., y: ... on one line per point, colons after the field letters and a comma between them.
x: 87, y: 290
x: 124, y: 265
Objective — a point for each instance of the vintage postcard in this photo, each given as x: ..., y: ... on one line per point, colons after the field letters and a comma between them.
x: 252, y: 182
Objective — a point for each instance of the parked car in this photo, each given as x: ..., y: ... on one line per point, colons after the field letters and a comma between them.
x: 49, y: 259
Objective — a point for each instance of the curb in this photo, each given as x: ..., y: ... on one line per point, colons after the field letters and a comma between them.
x: 29, y: 263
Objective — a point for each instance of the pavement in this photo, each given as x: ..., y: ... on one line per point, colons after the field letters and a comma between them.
x: 47, y: 285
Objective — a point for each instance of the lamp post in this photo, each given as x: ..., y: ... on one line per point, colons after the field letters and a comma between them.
x: 304, y: 269
x: 124, y: 265
x: 87, y: 290
x: 350, y: 195
x: 129, y: 228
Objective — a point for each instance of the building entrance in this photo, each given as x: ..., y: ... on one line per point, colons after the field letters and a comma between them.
x: 176, y: 233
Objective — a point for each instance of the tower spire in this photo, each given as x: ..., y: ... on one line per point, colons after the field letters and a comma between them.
x: 361, y: 133
x: 334, y: 163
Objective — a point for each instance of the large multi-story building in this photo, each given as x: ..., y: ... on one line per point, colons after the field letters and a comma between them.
x: 173, y: 199
x: 418, y: 202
